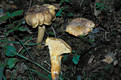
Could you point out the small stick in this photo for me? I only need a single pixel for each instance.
(53, 31)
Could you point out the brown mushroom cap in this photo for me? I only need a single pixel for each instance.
(58, 46)
(80, 26)
(51, 8)
(40, 14)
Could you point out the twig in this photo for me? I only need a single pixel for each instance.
(29, 5)
(33, 62)
(81, 2)
(47, 63)
(53, 31)
(26, 49)
(22, 47)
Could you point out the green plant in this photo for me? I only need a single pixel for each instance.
(63, 12)
(76, 59)
(2, 76)
(102, 7)
(11, 52)
(13, 22)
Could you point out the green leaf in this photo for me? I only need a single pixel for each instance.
(11, 51)
(70, 14)
(32, 44)
(4, 18)
(9, 26)
(10, 15)
(82, 36)
(16, 13)
(73, 51)
(61, 77)
(91, 40)
(12, 30)
(107, 67)
(67, 0)
(65, 57)
(101, 6)
(39, 74)
(11, 62)
(2, 76)
(49, 76)
(23, 29)
(59, 13)
(76, 59)
(51, 33)
(62, 1)
(1, 71)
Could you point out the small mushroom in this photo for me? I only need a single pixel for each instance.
(80, 26)
(40, 15)
(57, 47)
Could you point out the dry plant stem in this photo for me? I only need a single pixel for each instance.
(55, 67)
(53, 31)
(22, 47)
(41, 31)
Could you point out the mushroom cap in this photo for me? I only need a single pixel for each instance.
(39, 15)
(80, 26)
(57, 46)
(34, 19)
(50, 6)
(47, 18)
(31, 20)
(52, 9)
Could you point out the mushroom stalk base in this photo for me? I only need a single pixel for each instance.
(55, 67)
(41, 31)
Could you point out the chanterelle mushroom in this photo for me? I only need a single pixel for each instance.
(57, 47)
(80, 26)
(40, 15)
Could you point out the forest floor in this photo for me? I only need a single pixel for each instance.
(96, 56)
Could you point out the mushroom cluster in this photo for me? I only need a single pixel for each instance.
(40, 15)
(57, 47)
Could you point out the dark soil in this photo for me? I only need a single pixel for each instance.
(105, 39)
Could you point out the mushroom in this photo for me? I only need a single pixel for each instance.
(80, 26)
(40, 15)
(57, 47)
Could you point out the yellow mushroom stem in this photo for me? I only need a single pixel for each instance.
(41, 31)
(55, 67)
